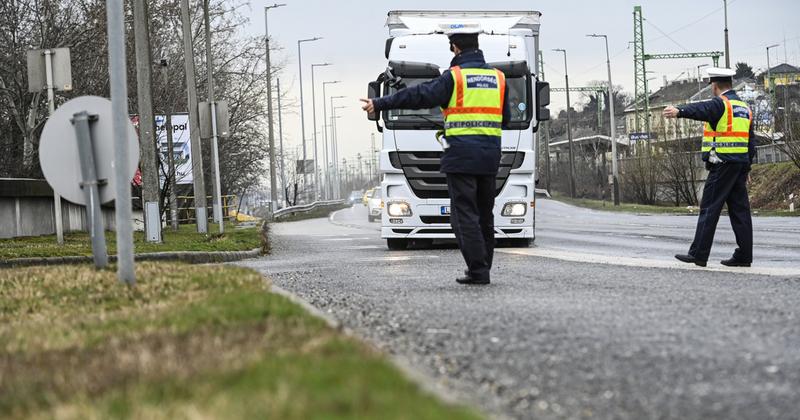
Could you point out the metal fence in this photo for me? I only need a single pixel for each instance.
(187, 214)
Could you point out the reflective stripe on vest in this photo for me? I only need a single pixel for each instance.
(476, 105)
(732, 133)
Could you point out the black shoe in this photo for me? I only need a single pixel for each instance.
(733, 262)
(471, 280)
(690, 259)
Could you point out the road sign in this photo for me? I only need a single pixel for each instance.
(37, 69)
(205, 119)
(642, 136)
(58, 149)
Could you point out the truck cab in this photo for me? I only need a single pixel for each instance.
(417, 206)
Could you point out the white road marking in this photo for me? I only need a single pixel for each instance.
(399, 258)
(647, 263)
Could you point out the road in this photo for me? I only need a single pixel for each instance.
(595, 321)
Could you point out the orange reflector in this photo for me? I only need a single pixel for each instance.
(533, 204)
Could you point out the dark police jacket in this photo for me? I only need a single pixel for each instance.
(711, 111)
(479, 155)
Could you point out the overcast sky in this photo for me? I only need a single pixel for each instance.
(354, 36)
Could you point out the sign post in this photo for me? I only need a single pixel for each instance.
(76, 153)
(50, 70)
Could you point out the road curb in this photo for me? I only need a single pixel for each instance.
(426, 383)
(192, 257)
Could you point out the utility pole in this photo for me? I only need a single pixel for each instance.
(545, 129)
(329, 175)
(314, 124)
(569, 129)
(360, 180)
(118, 86)
(727, 48)
(273, 185)
(334, 143)
(373, 162)
(335, 132)
(218, 216)
(302, 109)
(167, 128)
(198, 180)
(280, 136)
(613, 123)
(147, 142)
(771, 89)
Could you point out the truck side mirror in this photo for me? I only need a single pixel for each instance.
(373, 91)
(542, 101)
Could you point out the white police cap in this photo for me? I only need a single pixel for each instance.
(720, 74)
(460, 28)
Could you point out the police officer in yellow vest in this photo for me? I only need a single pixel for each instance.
(728, 150)
(472, 97)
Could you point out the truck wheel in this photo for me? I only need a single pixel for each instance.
(395, 244)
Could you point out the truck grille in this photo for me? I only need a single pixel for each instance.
(422, 172)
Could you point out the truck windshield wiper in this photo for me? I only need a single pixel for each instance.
(425, 117)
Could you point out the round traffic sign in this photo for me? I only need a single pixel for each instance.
(58, 149)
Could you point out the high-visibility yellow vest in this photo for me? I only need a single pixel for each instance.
(731, 136)
(476, 105)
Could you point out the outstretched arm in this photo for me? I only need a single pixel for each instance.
(709, 111)
(426, 95)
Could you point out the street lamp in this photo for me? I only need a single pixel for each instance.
(302, 113)
(569, 129)
(727, 49)
(613, 123)
(314, 122)
(273, 184)
(770, 88)
(699, 79)
(328, 184)
(334, 141)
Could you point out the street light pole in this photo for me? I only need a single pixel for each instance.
(280, 137)
(699, 79)
(334, 144)
(273, 184)
(302, 113)
(218, 216)
(613, 123)
(727, 47)
(569, 129)
(328, 183)
(314, 123)
(771, 88)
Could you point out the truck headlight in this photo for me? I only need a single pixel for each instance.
(399, 209)
(514, 210)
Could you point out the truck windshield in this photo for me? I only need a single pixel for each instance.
(517, 103)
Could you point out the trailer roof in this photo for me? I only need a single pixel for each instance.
(496, 22)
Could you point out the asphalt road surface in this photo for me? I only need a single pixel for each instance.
(594, 321)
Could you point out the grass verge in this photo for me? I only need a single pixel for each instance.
(186, 342)
(185, 239)
(624, 207)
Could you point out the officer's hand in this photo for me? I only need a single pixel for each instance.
(671, 112)
(368, 106)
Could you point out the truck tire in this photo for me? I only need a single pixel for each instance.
(396, 244)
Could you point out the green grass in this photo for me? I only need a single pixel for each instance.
(185, 239)
(186, 342)
(624, 207)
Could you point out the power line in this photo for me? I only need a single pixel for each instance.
(666, 35)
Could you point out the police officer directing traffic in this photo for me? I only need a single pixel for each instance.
(728, 150)
(472, 96)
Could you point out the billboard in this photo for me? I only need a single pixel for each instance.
(181, 147)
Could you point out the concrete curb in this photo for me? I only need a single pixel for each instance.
(424, 381)
(192, 257)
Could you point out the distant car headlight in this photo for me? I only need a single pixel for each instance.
(399, 209)
(514, 210)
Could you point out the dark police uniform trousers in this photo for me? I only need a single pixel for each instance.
(472, 219)
(726, 185)
(470, 166)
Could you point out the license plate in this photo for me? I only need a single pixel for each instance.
(445, 210)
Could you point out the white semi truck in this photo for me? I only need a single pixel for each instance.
(417, 206)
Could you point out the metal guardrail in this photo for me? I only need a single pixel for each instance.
(305, 208)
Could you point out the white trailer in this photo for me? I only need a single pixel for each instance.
(417, 206)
